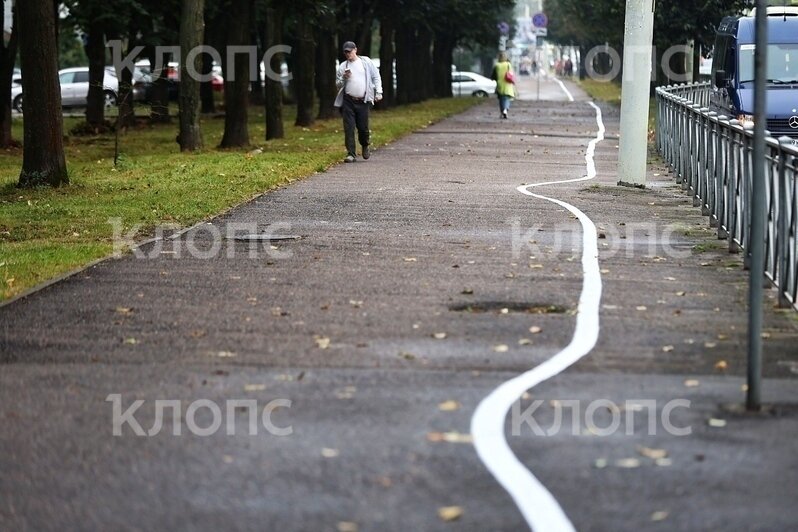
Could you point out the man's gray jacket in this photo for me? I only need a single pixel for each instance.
(373, 81)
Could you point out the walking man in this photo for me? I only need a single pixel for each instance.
(360, 87)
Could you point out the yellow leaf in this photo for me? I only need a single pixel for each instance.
(448, 406)
(654, 454)
(450, 513)
(322, 342)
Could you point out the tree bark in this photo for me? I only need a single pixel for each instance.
(192, 29)
(387, 57)
(7, 56)
(206, 87)
(304, 70)
(442, 58)
(236, 87)
(274, 87)
(43, 160)
(325, 74)
(95, 51)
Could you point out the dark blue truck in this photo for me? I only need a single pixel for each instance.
(733, 71)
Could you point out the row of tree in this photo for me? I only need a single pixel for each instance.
(417, 39)
(676, 22)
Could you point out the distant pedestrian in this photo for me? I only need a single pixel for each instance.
(360, 86)
(505, 89)
(568, 67)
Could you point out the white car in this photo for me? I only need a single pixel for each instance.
(74, 88)
(472, 84)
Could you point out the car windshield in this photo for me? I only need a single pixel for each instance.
(782, 63)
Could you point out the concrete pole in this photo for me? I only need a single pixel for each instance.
(638, 36)
(753, 399)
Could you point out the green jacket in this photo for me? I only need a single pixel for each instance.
(503, 88)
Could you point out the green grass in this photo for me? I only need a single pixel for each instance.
(46, 232)
(605, 91)
(610, 92)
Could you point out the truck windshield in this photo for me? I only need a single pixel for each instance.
(782, 63)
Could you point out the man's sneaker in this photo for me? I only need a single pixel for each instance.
(366, 152)
(349, 159)
(504, 113)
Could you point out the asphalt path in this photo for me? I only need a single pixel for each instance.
(422, 279)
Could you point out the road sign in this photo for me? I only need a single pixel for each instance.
(540, 20)
(540, 32)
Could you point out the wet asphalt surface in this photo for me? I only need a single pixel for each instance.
(408, 297)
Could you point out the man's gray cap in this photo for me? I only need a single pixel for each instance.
(349, 45)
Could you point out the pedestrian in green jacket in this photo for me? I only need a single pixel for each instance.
(505, 89)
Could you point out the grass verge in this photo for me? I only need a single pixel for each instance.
(47, 232)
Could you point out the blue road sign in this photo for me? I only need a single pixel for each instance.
(540, 20)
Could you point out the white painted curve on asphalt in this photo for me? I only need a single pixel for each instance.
(539, 507)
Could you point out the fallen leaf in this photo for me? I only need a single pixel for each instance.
(450, 513)
(659, 515)
(326, 452)
(347, 526)
(439, 335)
(449, 437)
(130, 341)
(717, 423)
(346, 392)
(448, 406)
(524, 341)
(654, 454)
(124, 310)
(467, 291)
(641, 307)
(710, 345)
(600, 463)
(254, 387)
(322, 342)
(691, 383)
(680, 293)
(535, 329)
(501, 348)
(355, 303)
(627, 463)
(721, 365)
(225, 354)
(667, 348)
(410, 259)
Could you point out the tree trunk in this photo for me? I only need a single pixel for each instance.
(236, 87)
(206, 87)
(126, 116)
(95, 51)
(424, 59)
(43, 161)
(442, 57)
(387, 57)
(192, 30)
(325, 74)
(7, 56)
(304, 70)
(274, 87)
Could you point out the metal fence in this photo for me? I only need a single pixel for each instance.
(711, 157)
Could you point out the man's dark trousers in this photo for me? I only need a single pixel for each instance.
(356, 115)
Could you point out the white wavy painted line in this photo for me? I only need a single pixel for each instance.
(537, 505)
(567, 93)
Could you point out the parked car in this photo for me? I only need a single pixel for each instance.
(472, 84)
(74, 88)
(733, 70)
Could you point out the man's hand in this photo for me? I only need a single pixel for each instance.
(378, 97)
